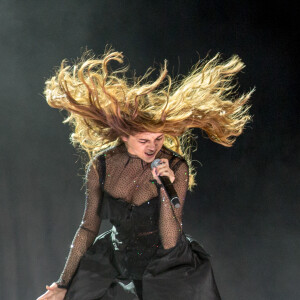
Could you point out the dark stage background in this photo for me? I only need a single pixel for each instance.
(245, 209)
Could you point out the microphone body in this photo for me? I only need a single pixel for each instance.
(168, 186)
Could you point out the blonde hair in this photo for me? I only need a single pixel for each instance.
(103, 104)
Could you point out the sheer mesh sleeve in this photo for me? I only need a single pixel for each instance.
(89, 227)
(170, 220)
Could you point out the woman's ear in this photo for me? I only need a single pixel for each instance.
(124, 138)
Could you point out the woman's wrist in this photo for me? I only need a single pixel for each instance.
(157, 184)
(62, 286)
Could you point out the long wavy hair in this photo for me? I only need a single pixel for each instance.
(103, 104)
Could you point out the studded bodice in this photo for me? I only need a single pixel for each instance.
(135, 233)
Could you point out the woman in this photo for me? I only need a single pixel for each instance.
(124, 127)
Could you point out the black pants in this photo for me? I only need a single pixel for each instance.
(139, 288)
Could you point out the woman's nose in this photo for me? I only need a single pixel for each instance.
(153, 145)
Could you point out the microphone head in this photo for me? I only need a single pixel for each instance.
(155, 163)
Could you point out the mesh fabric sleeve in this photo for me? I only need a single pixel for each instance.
(170, 220)
(89, 227)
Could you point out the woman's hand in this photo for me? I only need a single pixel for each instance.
(53, 293)
(163, 169)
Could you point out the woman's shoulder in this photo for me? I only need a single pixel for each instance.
(109, 152)
(103, 158)
(175, 159)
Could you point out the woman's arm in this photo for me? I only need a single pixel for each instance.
(84, 237)
(89, 227)
(170, 220)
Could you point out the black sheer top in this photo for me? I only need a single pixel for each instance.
(126, 180)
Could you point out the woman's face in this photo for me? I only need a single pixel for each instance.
(144, 144)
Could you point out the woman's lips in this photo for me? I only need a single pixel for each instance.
(150, 154)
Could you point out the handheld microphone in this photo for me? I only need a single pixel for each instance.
(168, 186)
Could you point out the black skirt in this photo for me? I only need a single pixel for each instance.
(181, 272)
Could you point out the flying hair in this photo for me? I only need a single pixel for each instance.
(104, 104)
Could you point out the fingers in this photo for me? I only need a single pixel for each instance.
(163, 170)
(53, 292)
(53, 285)
(45, 295)
(164, 173)
(163, 167)
(154, 173)
(164, 161)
